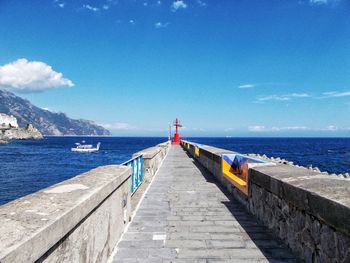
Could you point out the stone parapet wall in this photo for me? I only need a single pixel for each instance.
(210, 158)
(152, 158)
(78, 220)
(308, 210)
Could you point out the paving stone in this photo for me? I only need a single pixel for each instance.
(186, 217)
(225, 244)
(182, 243)
(141, 244)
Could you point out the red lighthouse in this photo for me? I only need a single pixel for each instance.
(176, 139)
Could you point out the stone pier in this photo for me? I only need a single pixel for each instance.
(186, 216)
(191, 207)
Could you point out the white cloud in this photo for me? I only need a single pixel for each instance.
(201, 3)
(30, 76)
(117, 126)
(332, 128)
(299, 95)
(59, 4)
(131, 21)
(290, 128)
(246, 86)
(318, 2)
(285, 97)
(335, 94)
(91, 8)
(161, 25)
(105, 7)
(288, 97)
(324, 2)
(257, 128)
(260, 128)
(178, 4)
(274, 97)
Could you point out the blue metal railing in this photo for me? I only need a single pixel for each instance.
(136, 165)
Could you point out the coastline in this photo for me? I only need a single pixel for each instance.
(27, 133)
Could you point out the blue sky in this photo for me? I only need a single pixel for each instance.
(225, 68)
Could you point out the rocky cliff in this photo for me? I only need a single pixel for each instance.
(47, 122)
(27, 133)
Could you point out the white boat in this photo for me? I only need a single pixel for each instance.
(85, 148)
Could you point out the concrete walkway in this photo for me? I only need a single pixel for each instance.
(186, 217)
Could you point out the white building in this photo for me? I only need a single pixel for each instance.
(7, 121)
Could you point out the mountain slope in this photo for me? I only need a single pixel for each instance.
(48, 123)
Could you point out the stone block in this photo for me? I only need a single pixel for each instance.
(80, 219)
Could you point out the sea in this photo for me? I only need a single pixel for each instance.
(28, 166)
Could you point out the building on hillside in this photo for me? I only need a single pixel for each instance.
(7, 121)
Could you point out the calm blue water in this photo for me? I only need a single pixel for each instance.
(329, 154)
(28, 166)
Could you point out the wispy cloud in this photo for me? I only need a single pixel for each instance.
(336, 94)
(117, 126)
(285, 97)
(91, 8)
(262, 84)
(30, 76)
(334, 128)
(257, 128)
(290, 128)
(319, 2)
(261, 128)
(159, 25)
(246, 86)
(177, 5)
(288, 97)
(323, 2)
(329, 128)
(132, 21)
(59, 3)
(201, 3)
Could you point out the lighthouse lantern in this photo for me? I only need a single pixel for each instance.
(176, 139)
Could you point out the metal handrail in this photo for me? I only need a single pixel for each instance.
(136, 165)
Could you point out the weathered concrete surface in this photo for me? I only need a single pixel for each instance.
(186, 217)
(78, 220)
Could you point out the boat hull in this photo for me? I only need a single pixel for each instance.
(84, 150)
